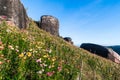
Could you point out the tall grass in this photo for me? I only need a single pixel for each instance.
(33, 54)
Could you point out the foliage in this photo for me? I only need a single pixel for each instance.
(34, 54)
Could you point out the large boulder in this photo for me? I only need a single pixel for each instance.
(114, 56)
(102, 51)
(68, 39)
(96, 49)
(116, 48)
(14, 11)
(50, 24)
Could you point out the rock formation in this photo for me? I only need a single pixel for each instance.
(96, 49)
(68, 39)
(14, 11)
(115, 57)
(50, 24)
(102, 51)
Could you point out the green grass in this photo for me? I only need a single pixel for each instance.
(34, 54)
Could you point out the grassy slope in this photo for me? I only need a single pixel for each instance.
(33, 54)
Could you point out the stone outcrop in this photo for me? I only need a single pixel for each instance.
(96, 49)
(115, 57)
(102, 51)
(14, 11)
(68, 39)
(50, 24)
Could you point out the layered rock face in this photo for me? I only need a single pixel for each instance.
(50, 24)
(15, 12)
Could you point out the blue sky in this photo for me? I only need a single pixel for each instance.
(85, 21)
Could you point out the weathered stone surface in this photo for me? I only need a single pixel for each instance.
(115, 57)
(102, 51)
(15, 12)
(50, 24)
(68, 39)
(96, 49)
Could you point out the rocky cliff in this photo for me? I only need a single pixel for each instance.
(14, 11)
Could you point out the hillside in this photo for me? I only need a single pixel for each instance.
(34, 54)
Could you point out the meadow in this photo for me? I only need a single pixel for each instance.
(33, 54)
